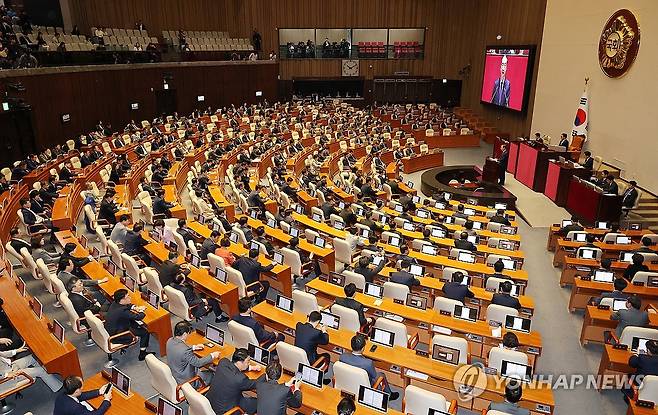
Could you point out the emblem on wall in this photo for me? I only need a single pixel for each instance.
(619, 43)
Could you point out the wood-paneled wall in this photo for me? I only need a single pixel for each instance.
(105, 93)
(456, 36)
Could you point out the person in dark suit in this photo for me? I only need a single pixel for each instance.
(368, 191)
(500, 217)
(356, 359)
(311, 334)
(364, 268)
(644, 365)
(630, 195)
(245, 318)
(244, 227)
(610, 185)
(134, 243)
(501, 87)
(229, 382)
(573, 226)
(588, 162)
(108, 208)
(634, 267)
(260, 237)
(459, 213)
(349, 302)
(275, 398)
(17, 243)
(456, 290)
(122, 316)
(646, 246)
(564, 141)
(251, 269)
(209, 245)
(346, 406)
(170, 269)
(620, 285)
(184, 231)
(161, 206)
(464, 243)
(502, 163)
(198, 301)
(73, 401)
(19, 171)
(504, 297)
(403, 276)
(83, 301)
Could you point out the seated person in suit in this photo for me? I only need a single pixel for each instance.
(160, 205)
(632, 316)
(120, 230)
(134, 243)
(251, 270)
(245, 318)
(229, 383)
(10, 367)
(108, 208)
(500, 217)
(83, 300)
(588, 162)
(460, 212)
(122, 316)
(244, 227)
(455, 289)
(464, 243)
(73, 401)
(644, 364)
(201, 304)
(33, 219)
(620, 285)
(182, 361)
(308, 336)
(646, 244)
(510, 405)
(349, 302)
(634, 267)
(610, 185)
(574, 226)
(404, 254)
(468, 228)
(504, 297)
(403, 276)
(209, 245)
(366, 269)
(40, 252)
(17, 242)
(273, 397)
(260, 237)
(356, 359)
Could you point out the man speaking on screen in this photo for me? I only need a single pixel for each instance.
(501, 88)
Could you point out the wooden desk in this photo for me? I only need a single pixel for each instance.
(614, 362)
(121, 405)
(54, 356)
(422, 322)
(280, 276)
(597, 321)
(422, 162)
(582, 291)
(397, 361)
(221, 202)
(612, 251)
(434, 286)
(578, 266)
(635, 235)
(201, 279)
(158, 321)
(171, 196)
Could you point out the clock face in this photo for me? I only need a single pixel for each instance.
(350, 67)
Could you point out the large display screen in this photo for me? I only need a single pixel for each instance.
(507, 76)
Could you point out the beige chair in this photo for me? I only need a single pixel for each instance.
(235, 277)
(178, 305)
(132, 269)
(115, 254)
(163, 381)
(349, 319)
(499, 313)
(418, 401)
(401, 337)
(304, 302)
(291, 356)
(648, 390)
(633, 331)
(457, 343)
(395, 291)
(200, 405)
(103, 340)
(355, 278)
(75, 321)
(446, 304)
(243, 335)
(343, 252)
(498, 354)
(350, 378)
(153, 283)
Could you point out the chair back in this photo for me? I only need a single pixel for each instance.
(198, 404)
(498, 354)
(349, 378)
(493, 283)
(448, 271)
(132, 269)
(13, 252)
(115, 253)
(355, 278)
(349, 319)
(634, 331)
(99, 334)
(242, 335)
(458, 343)
(215, 262)
(643, 276)
(499, 313)
(304, 302)
(161, 378)
(418, 401)
(398, 329)
(177, 303)
(71, 314)
(153, 281)
(343, 250)
(235, 277)
(28, 260)
(649, 389)
(446, 304)
(292, 259)
(395, 291)
(291, 356)
(611, 237)
(493, 258)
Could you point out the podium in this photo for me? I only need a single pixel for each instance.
(532, 164)
(491, 171)
(558, 178)
(588, 202)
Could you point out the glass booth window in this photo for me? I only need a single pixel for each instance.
(297, 43)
